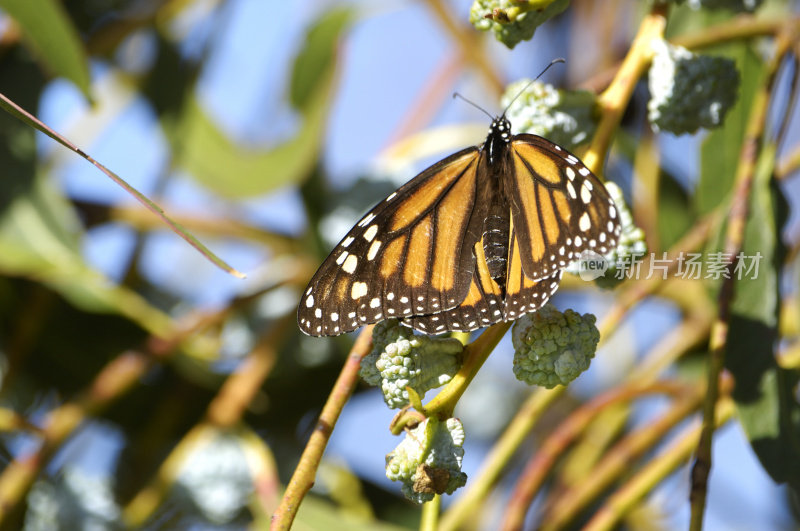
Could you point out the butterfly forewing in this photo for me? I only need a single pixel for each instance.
(411, 254)
(560, 208)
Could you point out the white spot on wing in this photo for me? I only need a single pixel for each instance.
(373, 249)
(347, 241)
(585, 223)
(350, 264)
(358, 290)
(310, 301)
(586, 194)
(374, 303)
(369, 217)
(370, 233)
(571, 190)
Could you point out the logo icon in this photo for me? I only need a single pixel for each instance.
(591, 265)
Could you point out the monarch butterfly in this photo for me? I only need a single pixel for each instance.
(478, 238)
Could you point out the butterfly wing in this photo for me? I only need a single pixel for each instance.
(485, 304)
(524, 295)
(482, 306)
(558, 206)
(411, 254)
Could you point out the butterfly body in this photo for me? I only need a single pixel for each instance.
(477, 238)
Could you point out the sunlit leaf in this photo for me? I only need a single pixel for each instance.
(764, 396)
(235, 171)
(720, 149)
(49, 32)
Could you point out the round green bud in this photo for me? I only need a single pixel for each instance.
(565, 117)
(689, 91)
(401, 359)
(428, 460)
(553, 348)
(512, 21)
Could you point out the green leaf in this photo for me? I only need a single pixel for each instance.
(317, 59)
(38, 240)
(236, 171)
(54, 40)
(40, 237)
(764, 392)
(719, 154)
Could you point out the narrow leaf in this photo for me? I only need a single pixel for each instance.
(16, 111)
(767, 409)
(717, 160)
(235, 171)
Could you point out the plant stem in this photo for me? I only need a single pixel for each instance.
(306, 470)
(655, 471)
(468, 44)
(474, 356)
(430, 514)
(734, 236)
(613, 101)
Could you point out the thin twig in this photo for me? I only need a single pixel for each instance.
(614, 100)
(225, 411)
(468, 44)
(617, 461)
(306, 470)
(737, 219)
(118, 377)
(656, 470)
(546, 456)
(741, 27)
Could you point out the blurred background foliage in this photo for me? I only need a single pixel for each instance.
(141, 386)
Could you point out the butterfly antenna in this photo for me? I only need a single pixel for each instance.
(484, 111)
(554, 61)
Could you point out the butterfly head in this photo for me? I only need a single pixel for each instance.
(498, 139)
(501, 129)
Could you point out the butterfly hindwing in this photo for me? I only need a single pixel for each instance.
(411, 254)
(524, 295)
(482, 306)
(560, 207)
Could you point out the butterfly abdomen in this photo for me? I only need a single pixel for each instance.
(495, 243)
